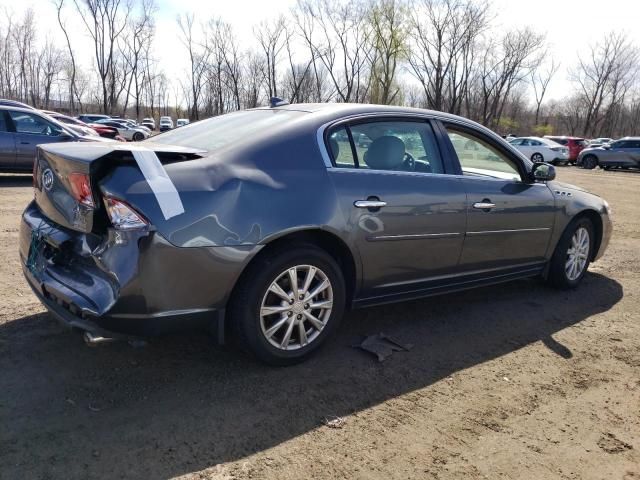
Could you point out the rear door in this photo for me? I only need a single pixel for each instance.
(406, 214)
(7, 143)
(509, 220)
(32, 130)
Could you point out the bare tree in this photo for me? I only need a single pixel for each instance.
(271, 37)
(198, 58)
(540, 82)
(105, 21)
(388, 48)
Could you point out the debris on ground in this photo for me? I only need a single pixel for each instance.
(382, 346)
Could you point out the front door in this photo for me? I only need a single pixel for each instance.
(7, 144)
(407, 216)
(32, 130)
(509, 220)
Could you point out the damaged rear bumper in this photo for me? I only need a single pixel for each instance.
(127, 284)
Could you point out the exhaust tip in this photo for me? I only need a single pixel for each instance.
(92, 340)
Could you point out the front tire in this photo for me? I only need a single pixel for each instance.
(589, 162)
(572, 255)
(537, 157)
(287, 303)
(137, 137)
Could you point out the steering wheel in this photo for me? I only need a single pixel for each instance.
(408, 163)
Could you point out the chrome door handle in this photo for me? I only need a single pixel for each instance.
(369, 204)
(484, 205)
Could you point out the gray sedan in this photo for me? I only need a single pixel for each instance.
(621, 153)
(22, 130)
(268, 223)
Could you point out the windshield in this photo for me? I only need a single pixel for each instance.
(218, 132)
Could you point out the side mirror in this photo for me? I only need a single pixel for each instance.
(543, 172)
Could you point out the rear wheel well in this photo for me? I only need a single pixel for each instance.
(328, 242)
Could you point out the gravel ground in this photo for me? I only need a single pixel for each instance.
(513, 381)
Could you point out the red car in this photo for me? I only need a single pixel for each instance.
(106, 131)
(574, 144)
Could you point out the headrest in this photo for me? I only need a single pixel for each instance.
(385, 153)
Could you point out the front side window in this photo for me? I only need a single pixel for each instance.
(478, 158)
(33, 124)
(403, 146)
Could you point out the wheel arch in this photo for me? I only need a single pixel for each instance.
(596, 221)
(327, 241)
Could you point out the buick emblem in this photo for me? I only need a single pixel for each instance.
(47, 179)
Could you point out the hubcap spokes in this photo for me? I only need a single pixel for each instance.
(296, 307)
(577, 254)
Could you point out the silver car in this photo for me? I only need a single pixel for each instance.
(621, 153)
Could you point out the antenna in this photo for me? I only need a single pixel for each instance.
(277, 102)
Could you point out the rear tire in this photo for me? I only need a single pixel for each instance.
(137, 137)
(572, 255)
(284, 331)
(589, 162)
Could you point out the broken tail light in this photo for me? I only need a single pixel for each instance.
(81, 189)
(123, 216)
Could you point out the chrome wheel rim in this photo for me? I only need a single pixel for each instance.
(577, 254)
(537, 157)
(296, 307)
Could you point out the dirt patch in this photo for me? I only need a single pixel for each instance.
(513, 381)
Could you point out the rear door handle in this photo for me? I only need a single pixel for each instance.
(484, 205)
(369, 204)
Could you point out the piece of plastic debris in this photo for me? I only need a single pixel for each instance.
(334, 422)
(382, 346)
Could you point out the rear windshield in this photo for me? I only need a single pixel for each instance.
(217, 132)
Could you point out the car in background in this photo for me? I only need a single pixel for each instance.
(574, 144)
(107, 132)
(92, 117)
(128, 132)
(131, 123)
(597, 142)
(23, 129)
(165, 124)
(74, 124)
(622, 153)
(541, 150)
(269, 223)
(149, 122)
(181, 122)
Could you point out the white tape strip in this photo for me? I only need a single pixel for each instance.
(160, 183)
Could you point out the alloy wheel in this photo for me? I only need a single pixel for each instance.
(577, 254)
(296, 307)
(536, 157)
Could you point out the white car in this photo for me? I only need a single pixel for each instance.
(125, 130)
(148, 122)
(181, 122)
(165, 123)
(541, 149)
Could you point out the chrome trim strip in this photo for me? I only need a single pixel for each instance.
(519, 230)
(417, 236)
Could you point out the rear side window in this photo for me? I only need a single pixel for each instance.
(3, 122)
(403, 146)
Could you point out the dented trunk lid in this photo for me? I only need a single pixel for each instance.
(55, 163)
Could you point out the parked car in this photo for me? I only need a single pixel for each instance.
(129, 133)
(127, 122)
(148, 122)
(22, 130)
(165, 124)
(541, 150)
(271, 222)
(574, 144)
(74, 124)
(92, 117)
(14, 103)
(107, 132)
(596, 142)
(181, 122)
(622, 153)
